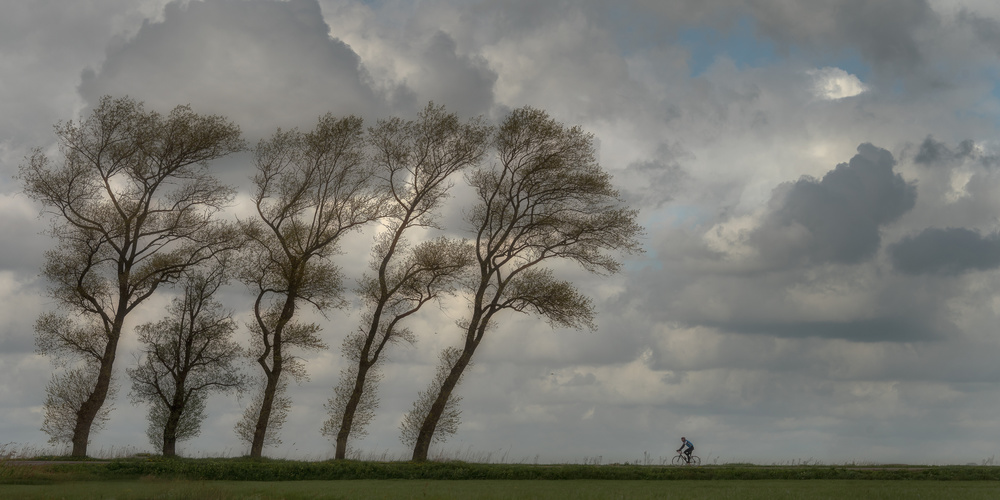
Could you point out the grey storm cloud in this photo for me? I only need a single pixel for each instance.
(262, 63)
(986, 30)
(884, 32)
(937, 153)
(465, 83)
(948, 251)
(835, 219)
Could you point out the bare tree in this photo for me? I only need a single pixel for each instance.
(311, 189)
(133, 205)
(545, 198)
(184, 357)
(415, 160)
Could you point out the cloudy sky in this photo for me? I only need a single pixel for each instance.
(819, 182)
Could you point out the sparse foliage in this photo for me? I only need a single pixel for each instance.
(133, 205)
(447, 424)
(310, 190)
(64, 395)
(246, 428)
(546, 197)
(184, 357)
(416, 160)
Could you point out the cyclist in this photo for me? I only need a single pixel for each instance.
(690, 448)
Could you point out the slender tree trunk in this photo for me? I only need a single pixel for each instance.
(426, 434)
(349, 409)
(274, 375)
(92, 406)
(264, 417)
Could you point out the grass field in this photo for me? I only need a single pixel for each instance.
(141, 476)
(504, 490)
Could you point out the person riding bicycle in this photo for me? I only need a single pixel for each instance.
(690, 448)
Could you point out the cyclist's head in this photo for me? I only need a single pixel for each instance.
(683, 439)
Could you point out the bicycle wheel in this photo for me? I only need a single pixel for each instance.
(695, 460)
(678, 460)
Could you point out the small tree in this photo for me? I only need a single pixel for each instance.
(133, 205)
(545, 198)
(185, 356)
(311, 189)
(415, 159)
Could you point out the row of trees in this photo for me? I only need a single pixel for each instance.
(135, 208)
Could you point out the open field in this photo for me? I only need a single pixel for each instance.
(503, 490)
(243, 469)
(135, 477)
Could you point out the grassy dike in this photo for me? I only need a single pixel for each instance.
(242, 469)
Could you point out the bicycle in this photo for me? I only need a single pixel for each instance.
(682, 459)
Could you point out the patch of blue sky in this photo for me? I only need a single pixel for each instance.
(739, 43)
(747, 49)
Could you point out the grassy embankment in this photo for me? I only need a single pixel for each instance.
(242, 469)
(223, 478)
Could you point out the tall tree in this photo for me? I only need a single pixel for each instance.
(545, 198)
(133, 204)
(311, 189)
(184, 357)
(416, 160)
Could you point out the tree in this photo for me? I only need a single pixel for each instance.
(545, 198)
(415, 159)
(450, 418)
(310, 190)
(184, 357)
(133, 205)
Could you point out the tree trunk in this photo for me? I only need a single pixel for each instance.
(92, 406)
(426, 434)
(170, 434)
(349, 409)
(264, 417)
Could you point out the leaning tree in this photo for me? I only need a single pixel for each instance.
(545, 198)
(310, 190)
(133, 205)
(416, 161)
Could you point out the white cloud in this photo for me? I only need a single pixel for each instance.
(835, 83)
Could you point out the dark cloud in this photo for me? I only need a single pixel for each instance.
(883, 32)
(986, 30)
(835, 219)
(937, 153)
(934, 152)
(263, 63)
(950, 251)
(463, 83)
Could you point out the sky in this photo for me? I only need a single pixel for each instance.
(819, 185)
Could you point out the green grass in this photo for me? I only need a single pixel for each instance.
(504, 490)
(244, 469)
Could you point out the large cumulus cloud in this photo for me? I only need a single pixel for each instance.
(952, 250)
(837, 218)
(260, 62)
